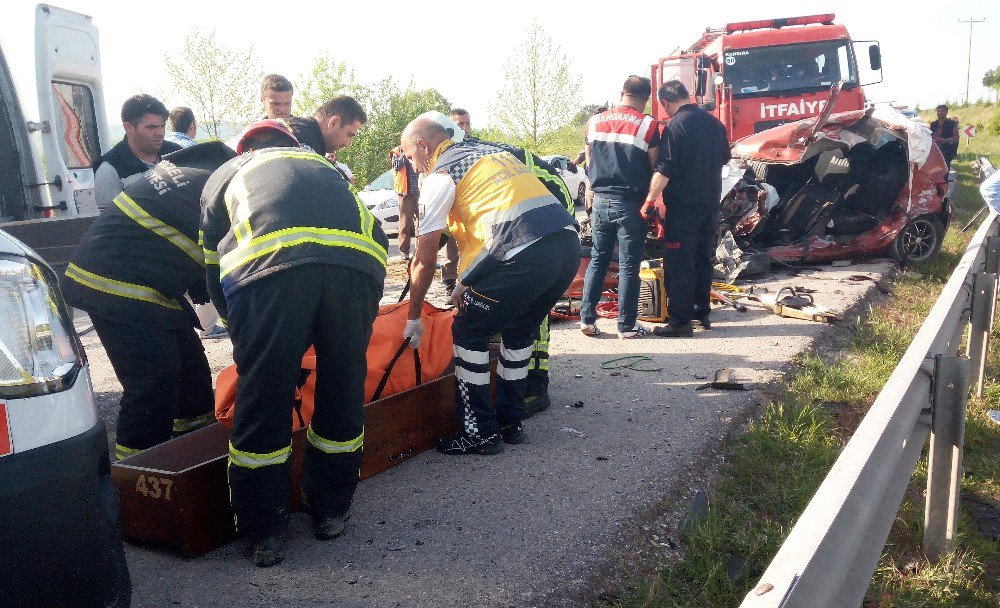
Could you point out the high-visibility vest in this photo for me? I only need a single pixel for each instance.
(499, 205)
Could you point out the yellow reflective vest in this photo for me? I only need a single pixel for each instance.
(499, 205)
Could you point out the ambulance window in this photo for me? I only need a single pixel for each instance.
(76, 124)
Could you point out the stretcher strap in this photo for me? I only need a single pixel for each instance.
(392, 364)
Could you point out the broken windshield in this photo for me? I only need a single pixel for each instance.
(789, 68)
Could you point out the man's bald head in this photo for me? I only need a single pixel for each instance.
(427, 130)
(419, 139)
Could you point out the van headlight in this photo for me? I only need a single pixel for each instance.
(39, 352)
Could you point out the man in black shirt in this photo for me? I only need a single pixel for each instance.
(693, 150)
(944, 131)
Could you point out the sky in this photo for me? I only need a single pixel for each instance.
(460, 50)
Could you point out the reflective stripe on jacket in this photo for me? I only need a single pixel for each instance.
(280, 207)
(140, 256)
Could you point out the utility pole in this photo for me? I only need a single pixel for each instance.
(968, 67)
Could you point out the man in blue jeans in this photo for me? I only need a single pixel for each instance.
(621, 150)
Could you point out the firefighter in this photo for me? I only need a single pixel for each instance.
(130, 273)
(518, 251)
(293, 260)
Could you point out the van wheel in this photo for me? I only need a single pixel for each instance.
(581, 194)
(919, 240)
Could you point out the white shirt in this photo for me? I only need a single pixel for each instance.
(990, 189)
(437, 195)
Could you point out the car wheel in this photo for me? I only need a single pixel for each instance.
(919, 240)
(581, 194)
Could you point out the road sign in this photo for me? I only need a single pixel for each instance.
(970, 131)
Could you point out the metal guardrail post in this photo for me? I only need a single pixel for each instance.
(992, 255)
(984, 294)
(944, 467)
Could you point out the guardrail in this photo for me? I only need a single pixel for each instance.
(830, 555)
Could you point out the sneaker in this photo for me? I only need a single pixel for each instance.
(535, 404)
(268, 552)
(705, 323)
(589, 329)
(636, 332)
(675, 331)
(216, 333)
(328, 528)
(465, 444)
(513, 433)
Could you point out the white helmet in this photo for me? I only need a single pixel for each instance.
(456, 132)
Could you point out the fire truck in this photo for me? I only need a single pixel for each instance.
(754, 75)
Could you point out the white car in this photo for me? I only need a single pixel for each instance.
(381, 199)
(575, 178)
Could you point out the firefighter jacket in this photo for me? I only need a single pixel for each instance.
(141, 255)
(499, 205)
(280, 207)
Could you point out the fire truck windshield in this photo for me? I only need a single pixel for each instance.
(764, 71)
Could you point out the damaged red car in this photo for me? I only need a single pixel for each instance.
(839, 186)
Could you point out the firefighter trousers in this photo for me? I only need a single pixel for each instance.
(511, 301)
(166, 382)
(273, 321)
(690, 237)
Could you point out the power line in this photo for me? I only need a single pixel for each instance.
(968, 67)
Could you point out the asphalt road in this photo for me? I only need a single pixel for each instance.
(548, 523)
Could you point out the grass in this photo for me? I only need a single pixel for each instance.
(772, 469)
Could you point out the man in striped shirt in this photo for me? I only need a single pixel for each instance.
(621, 151)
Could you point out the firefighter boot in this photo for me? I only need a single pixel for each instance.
(268, 552)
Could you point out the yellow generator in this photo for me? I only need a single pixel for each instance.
(652, 295)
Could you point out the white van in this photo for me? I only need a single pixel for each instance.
(59, 533)
(46, 180)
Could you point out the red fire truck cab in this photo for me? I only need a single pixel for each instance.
(754, 75)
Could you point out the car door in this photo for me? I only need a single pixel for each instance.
(19, 169)
(72, 119)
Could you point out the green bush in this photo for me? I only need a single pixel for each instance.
(993, 126)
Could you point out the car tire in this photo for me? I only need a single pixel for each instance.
(581, 194)
(919, 240)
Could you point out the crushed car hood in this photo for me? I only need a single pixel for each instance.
(794, 142)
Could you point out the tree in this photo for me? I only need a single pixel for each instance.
(541, 93)
(220, 83)
(586, 112)
(327, 79)
(992, 80)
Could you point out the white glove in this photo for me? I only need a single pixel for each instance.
(414, 330)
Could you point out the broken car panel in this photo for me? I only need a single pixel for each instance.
(862, 183)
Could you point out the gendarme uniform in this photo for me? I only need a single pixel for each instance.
(293, 260)
(519, 251)
(130, 273)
